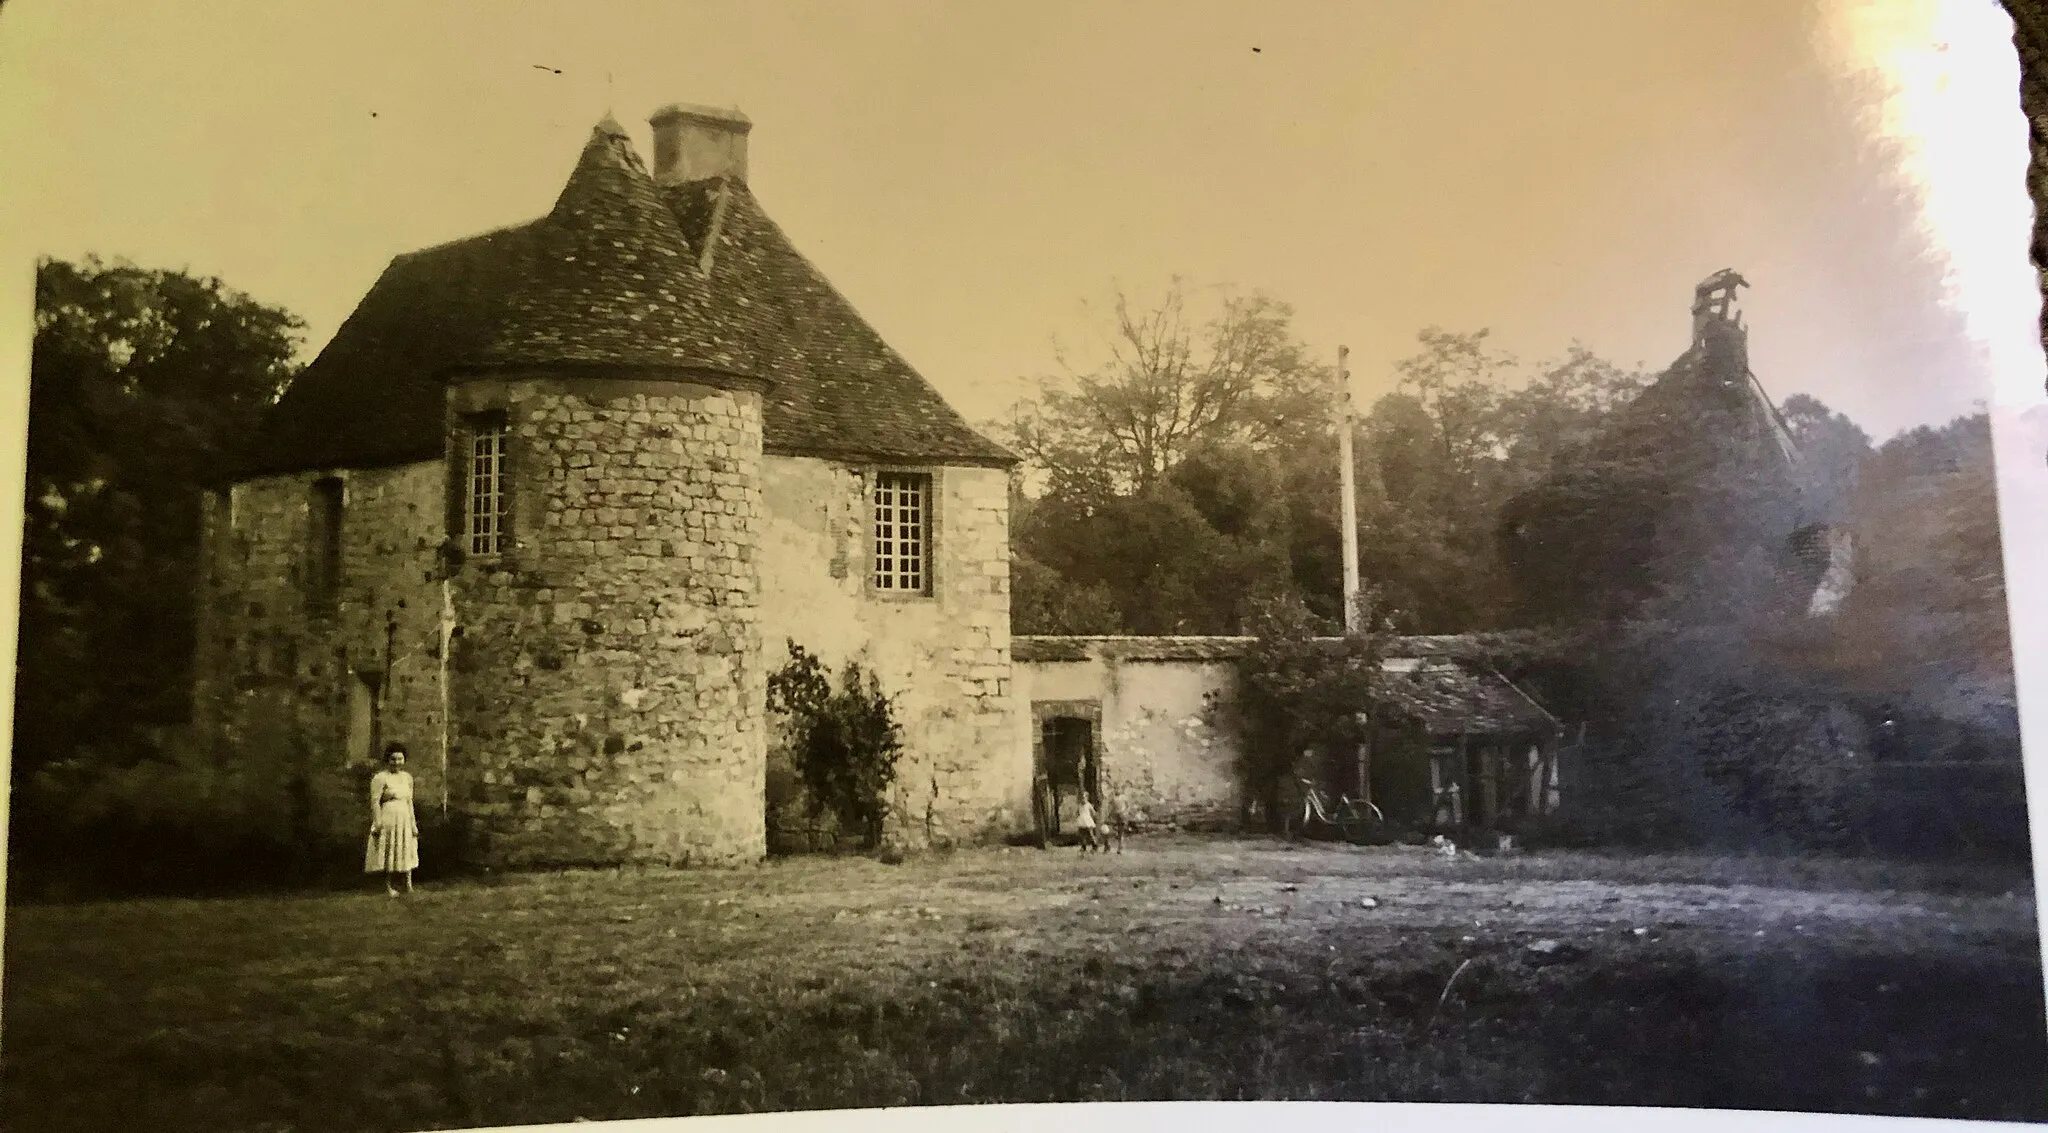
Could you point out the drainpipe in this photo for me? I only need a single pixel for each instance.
(447, 638)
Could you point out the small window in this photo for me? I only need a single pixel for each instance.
(484, 510)
(903, 533)
(323, 574)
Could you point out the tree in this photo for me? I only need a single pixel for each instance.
(1168, 386)
(1194, 470)
(1832, 450)
(1153, 558)
(1549, 421)
(142, 385)
(1295, 695)
(1465, 429)
(1163, 505)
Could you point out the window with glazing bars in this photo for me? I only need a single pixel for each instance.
(485, 514)
(902, 532)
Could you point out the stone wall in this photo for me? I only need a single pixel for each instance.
(1165, 761)
(596, 692)
(608, 679)
(311, 688)
(944, 656)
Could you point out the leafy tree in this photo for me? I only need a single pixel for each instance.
(1169, 385)
(1042, 601)
(846, 740)
(1152, 556)
(1196, 471)
(1929, 607)
(1463, 432)
(142, 384)
(1295, 695)
(1162, 507)
(1548, 422)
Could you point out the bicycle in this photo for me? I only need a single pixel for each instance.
(1356, 821)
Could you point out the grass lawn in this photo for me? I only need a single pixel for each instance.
(1184, 968)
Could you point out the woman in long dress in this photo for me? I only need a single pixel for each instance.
(394, 830)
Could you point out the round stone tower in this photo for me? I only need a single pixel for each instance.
(607, 687)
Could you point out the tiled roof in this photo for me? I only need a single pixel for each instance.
(620, 273)
(1446, 697)
(607, 279)
(373, 396)
(840, 390)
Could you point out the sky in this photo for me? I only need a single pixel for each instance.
(979, 179)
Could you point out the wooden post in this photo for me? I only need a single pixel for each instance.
(1463, 804)
(1365, 767)
(1436, 785)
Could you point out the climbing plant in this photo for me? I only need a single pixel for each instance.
(845, 741)
(1297, 692)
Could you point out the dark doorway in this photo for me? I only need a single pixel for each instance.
(1070, 765)
(1066, 760)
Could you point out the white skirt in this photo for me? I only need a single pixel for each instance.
(395, 844)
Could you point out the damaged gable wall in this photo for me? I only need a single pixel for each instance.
(311, 688)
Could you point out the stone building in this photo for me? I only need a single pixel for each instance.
(551, 501)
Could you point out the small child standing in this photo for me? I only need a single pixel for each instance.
(1085, 823)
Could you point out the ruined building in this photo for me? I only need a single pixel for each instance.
(1691, 494)
(551, 501)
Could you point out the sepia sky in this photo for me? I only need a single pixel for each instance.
(971, 175)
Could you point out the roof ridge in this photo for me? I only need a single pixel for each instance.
(626, 273)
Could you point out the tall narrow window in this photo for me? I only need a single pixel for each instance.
(484, 516)
(902, 532)
(323, 559)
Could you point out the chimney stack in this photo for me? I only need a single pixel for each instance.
(692, 143)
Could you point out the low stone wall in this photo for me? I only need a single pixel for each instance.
(1165, 760)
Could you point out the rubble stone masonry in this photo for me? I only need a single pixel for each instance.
(944, 656)
(595, 691)
(608, 683)
(306, 685)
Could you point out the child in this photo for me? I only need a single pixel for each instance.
(1109, 825)
(1085, 823)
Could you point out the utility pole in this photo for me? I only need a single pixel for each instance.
(1349, 526)
(1354, 617)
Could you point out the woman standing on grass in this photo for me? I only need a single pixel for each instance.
(394, 830)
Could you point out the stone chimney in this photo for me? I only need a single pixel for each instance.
(692, 143)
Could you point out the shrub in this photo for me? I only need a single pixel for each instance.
(186, 819)
(844, 742)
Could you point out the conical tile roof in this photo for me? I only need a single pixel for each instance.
(603, 281)
(620, 273)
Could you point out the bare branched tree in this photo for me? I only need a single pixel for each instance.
(1168, 386)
